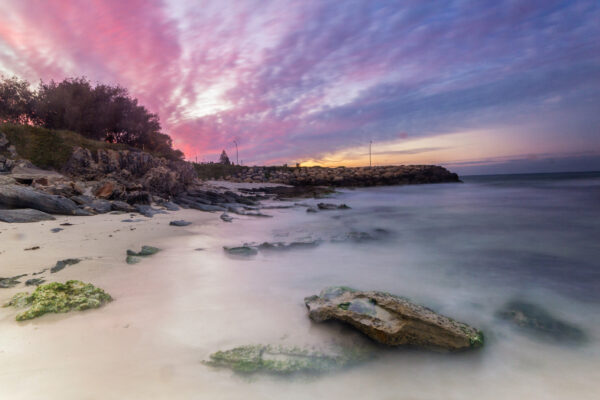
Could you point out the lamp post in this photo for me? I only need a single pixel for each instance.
(237, 160)
(370, 143)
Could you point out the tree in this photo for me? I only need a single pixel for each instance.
(16, 101)
(224, 159)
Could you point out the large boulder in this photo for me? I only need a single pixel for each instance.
(392, 320)
(15, 196)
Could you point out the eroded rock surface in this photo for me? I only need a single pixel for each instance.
(24, 215)
(392, 320)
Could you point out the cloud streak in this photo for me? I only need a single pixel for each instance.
(297, 80)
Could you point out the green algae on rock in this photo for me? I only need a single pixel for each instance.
(392, 320)
(58, 297)
(135, 257)
(281, 360)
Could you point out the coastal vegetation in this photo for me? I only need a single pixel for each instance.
(98, 112)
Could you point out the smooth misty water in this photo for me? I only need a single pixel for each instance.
(461, 249)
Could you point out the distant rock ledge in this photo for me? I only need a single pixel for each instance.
(344, 176)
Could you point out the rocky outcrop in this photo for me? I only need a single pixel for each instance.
(15, 196)
(392, 320)
(342, 176)
(132, 170)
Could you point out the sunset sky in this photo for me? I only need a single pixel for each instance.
(476, 86)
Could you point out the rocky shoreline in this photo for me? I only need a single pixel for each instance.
(106, 180)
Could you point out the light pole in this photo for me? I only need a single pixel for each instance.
(237, 160)
(370, 143)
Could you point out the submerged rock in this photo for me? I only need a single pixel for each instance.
(286, 360)
(240, 251)
(58, 297)
(34, 282)
(24, 215)
(180, 223)
(56, 230)
(392, 320)
(63, 263)
(279, 246)
(330, 206)
(134, 258)
(6, 283)
(536, 320)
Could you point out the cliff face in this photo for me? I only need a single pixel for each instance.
(360, 176)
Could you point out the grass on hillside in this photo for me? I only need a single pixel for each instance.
(50, 149)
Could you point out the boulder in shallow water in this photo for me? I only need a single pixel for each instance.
(24, 215)
(536, 320)
(392, 320)
(287, 360)
(58, 297)
(226, 217)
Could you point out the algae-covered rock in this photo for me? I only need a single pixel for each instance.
(287, 360)
(58, 297)
(536, 320)
(135, 257)
(392, 320)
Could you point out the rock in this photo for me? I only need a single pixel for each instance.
(329, 206)
(244, 251)
(180, 223)
(63, 263)
(105, 191)
(56, 230)
(101, 206)
(82, 200)
(14, 196)
(138, 197)
(148, 211)
(24, 215)
(6, 283)
(226, 217)
(58, 297)
(311, 210)
(170, 206)
(362, 237)
(392, 320)
(279, 246)
(536, 320)
(34, 282)
(147, 251)
(32, 248)
(132, 220)
(121, 206)
(287, 360)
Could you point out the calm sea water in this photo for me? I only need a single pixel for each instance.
(461, 249)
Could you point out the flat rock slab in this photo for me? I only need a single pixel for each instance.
(24, 215)
(135, 257)
(15, 196)
(392, 320)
